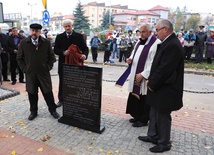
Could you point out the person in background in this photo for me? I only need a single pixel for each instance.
(22, 33)
(181, 39)
(189, 41)
(130, 41)
(62, 42)
(109, 34)
(94, 42)
(108, 49)
(201, 38)
(165, 87)
(115, 52)
(136, 37)
(35, 58)
(49, 37)
(210, 47)
(9, 33)
(0, 67)
(45, 31)
(123, 46)
(12, 44)
(4, 56)
(84, 35)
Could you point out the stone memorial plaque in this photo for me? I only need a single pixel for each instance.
(82, 92)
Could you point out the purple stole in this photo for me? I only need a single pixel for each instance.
(140, 65)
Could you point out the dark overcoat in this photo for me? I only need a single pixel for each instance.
(166, 76)
(210, 47)
(62, 43)
(36, 62)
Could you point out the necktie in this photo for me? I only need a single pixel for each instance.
(35, 42)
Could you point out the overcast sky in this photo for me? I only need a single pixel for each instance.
(66, 6)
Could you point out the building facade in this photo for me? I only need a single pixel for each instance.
(95, 11)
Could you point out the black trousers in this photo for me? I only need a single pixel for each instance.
(160, 126)
(4, 59)
(122, 55)
(94, 54)
(199, 51)
(107, 55)
(60, 88)
(188, 52)
(49, 99)
(13, 67)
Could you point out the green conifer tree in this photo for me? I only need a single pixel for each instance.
(80, 21)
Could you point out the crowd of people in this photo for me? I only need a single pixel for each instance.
(199, 42)
(155, 69)
(119, 45)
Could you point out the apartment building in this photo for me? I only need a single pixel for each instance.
(132, 20)
(95, 11)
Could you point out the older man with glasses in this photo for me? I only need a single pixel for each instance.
(165, 87)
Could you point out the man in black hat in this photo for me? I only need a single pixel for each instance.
(35, 57)
(201, 38)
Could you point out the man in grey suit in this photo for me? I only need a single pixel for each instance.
(165, 87)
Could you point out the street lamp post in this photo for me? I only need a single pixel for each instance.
(31, 5)
(110, 13)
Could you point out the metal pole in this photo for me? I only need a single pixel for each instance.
(31, 10)
(110, 13)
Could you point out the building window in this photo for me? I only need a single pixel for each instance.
(153, 20)
(100, 16)
(157, 20)
(149, 20)
(93, 9)
(92, 15)
(92, 21)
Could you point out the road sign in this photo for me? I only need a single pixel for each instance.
(44, 2)
(46, 17)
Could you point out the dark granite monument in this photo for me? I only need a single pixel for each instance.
(82, 92)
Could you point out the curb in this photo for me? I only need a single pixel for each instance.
(13, 93)
(186, 70)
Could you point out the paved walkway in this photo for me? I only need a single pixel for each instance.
(192, 129)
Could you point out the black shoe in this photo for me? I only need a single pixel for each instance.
(55, 115)
(132, 120)
(159, 148)
(59, 104)
(6, 80)
(32, 116)
(147, 139)
(22, 81)
(139, 124)
(14, 82)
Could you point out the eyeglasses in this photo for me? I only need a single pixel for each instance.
(159, 29)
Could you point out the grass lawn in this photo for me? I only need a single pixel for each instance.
(204, 66)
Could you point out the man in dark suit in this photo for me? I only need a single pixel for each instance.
(165, 87)
(62, 42)
(4, 56)
(12, 47)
